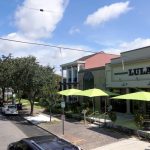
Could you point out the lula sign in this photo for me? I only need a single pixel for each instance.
(139, 71)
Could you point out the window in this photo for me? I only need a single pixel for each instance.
(88, 80)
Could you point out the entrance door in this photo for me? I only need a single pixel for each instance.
(119, 105)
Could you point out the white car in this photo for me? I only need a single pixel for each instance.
(9, 109)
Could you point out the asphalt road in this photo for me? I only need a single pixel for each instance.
(14, 128)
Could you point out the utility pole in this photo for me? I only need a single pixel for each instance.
(63, 115)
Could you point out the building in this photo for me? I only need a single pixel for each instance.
(129, 73)
(70, 72)
(86, 72)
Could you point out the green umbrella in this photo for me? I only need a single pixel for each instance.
(92, 93)
(142, 96)
(69, 92)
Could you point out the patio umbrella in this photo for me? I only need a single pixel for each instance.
(92, 93)
(138, 96)
(69, 92)
(141, 96)
(95, 93)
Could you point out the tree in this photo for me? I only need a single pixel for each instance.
(32, 79)
(25, 75)
(50, 87)
(6, 70)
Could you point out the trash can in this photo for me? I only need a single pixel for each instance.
(19, 106)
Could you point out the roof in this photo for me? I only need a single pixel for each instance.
(85, 57)
(80, 60)
(94, 60)
(99, 60)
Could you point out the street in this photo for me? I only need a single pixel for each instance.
(14, 128)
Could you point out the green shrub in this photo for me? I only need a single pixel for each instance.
(138, 118)
(43, 102)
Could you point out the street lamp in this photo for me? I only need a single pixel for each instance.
(14, 99)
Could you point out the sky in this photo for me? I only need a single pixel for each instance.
(112, 26)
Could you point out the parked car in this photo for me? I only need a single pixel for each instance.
(9, 109)
(49, 142)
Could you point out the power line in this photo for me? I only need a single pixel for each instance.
(42, 10)
(46, 45)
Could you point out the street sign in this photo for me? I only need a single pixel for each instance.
(62, 117)
(63, 104)
(84, 111)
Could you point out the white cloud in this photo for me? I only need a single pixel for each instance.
(55, 56)
(126, 46)
(36, 24)
(137, 43)
(74, 30)
(116, 51)
(107, 13)
(9, 46)
(33, 25)
(45, 55)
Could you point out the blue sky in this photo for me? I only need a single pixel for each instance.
(111, 26)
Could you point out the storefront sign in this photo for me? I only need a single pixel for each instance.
(139, 71)
(135, 71)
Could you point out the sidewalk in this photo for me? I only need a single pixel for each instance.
(40, 118)
(89, 136)
(128, 144)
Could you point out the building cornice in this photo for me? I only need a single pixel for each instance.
(74, 63)
(92, 69)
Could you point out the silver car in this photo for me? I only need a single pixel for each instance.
(9, 109)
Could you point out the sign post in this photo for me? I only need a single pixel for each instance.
(84, 111)
(63, 115)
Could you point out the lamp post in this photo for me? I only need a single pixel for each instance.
(14, 99)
